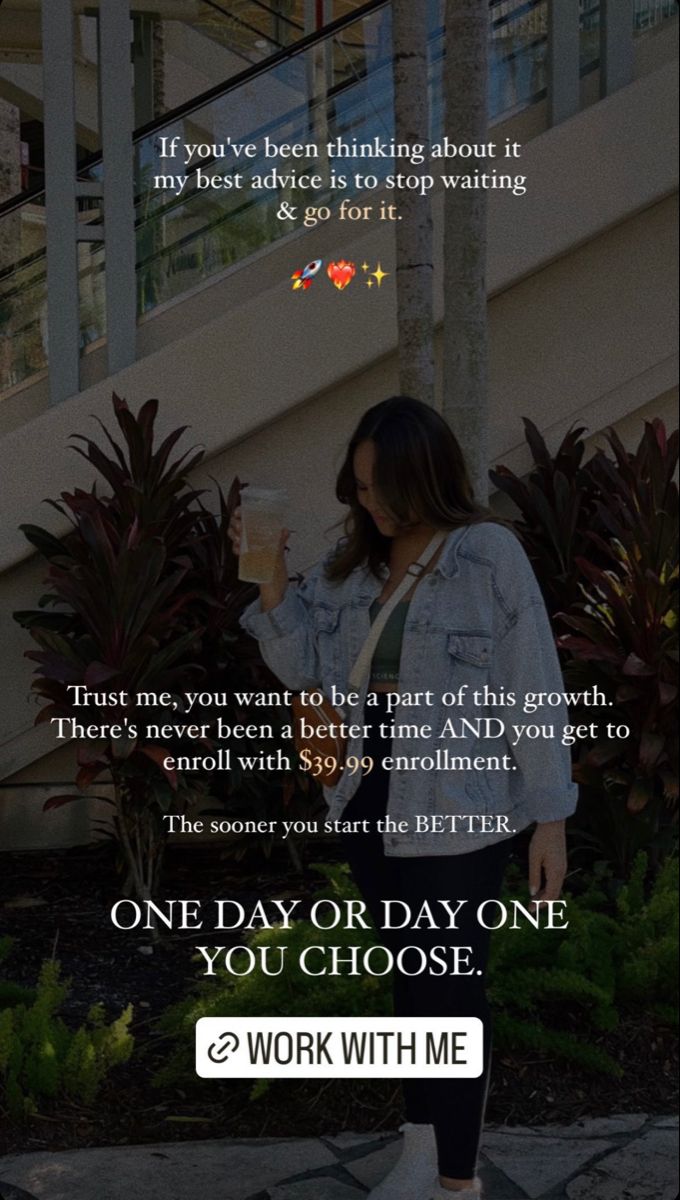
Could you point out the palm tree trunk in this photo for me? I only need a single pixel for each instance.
(414, 226)
(465, 211)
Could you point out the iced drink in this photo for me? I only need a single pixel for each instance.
(262, 513)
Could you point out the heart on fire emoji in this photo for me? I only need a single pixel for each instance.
(341, 273)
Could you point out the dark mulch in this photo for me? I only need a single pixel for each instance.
(60, 902)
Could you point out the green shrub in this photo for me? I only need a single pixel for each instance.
(605, 964)
(12, 993)
(41, 1058)
(552, 992)
(290, 994)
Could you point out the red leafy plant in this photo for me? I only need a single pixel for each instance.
(143, 598)
(227, 653)
(603, 539)
(555, 504)
(625, 628)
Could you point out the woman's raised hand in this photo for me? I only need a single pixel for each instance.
(271, 594)
(234, 530)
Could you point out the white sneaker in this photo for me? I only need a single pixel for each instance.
(412, 1175)
(473, 1193)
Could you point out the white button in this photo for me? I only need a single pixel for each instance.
(338, 1047)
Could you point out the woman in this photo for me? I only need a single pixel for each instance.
(469, 640)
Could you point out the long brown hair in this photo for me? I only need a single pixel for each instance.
(419, 473)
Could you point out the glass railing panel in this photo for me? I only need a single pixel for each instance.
(23, 297)
(251, 29)
(23, 322)
(647, 14)
(341, 85)
(518, 53)
(338, 93)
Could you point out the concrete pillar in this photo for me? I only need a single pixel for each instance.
(10, 236)
(616, 45)
(117, 117)
(60, 188)
(158, 52)
(143, 64)
(319, 75)
(564, 80)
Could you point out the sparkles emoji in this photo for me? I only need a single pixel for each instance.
(341, 273)
(379, 275)
(303, 278)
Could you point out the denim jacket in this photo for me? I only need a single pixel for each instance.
(477, 619)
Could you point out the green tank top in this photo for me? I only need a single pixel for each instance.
(386, 656)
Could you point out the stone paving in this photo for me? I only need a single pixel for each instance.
(626, 1157)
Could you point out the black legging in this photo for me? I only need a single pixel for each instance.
(454, 1106)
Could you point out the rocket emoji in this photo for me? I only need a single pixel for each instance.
(303, 278)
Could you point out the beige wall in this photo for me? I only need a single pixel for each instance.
(24, 825)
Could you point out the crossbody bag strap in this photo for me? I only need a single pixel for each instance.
(413, 572)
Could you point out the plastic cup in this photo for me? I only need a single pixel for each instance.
(262, 519)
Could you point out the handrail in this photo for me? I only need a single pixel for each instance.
(214, 93)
